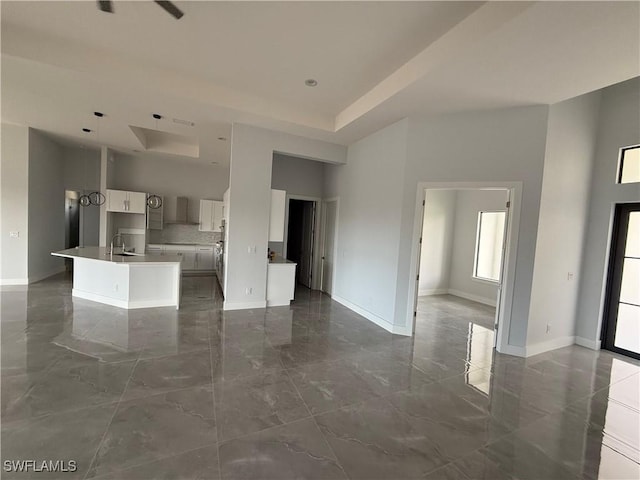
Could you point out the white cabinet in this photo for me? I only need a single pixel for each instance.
(276, 220)
(204, 258)
(281, 283)
(211, 215)
(126, 202)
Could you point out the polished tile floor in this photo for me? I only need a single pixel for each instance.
(311, 391)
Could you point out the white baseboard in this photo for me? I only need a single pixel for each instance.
(592, 344)
(243, 305)
(278, 303)
(513, 350)
(42, 276)
(396, 329)
(425, 292)
(14, 281)
(554, 344)
(473, 298)
(121, 303)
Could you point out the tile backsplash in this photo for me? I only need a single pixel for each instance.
(177, 233)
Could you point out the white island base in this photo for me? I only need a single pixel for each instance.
(126, 282)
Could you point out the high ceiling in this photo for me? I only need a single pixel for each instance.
(224, 62)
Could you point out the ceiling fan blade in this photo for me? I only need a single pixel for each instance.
(170, 8)
(105, 5)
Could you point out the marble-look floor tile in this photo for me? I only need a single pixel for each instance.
(448, 472)
(373, 440)
(522, 460)
(293, 451)
(330, 385)
(68, 386)
(250, 404)
(455, 426)
(163, 374)
(154, 427)
(237, 360)
(478, 466)
(200, 464)
(67, 436)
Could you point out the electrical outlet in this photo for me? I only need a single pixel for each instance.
(14, 234)
(548, 328)
(249, 291)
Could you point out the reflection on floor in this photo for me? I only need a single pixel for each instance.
(307, 391)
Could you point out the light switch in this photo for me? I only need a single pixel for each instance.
(14, 234)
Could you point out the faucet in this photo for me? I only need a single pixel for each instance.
(113, 239)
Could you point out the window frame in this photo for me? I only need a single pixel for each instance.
(476, 252)
(621, 164)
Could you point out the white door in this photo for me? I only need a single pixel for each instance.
(329, 234)
(502, 265)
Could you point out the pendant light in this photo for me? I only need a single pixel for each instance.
(97, 197)
(154, 201)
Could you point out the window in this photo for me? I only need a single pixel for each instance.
(489, 240)
(629, 165)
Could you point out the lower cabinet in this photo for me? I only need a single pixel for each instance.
(194, 258)
(281, 283)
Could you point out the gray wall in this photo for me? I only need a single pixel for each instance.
(46, 206)
(571, 138)
(168, 176)
(468, 204)
(437, 241)
(500, 145)
(370, 190)
(297, 176)
(249, 206)
(618, 126)
(14, 201)
(82, 174)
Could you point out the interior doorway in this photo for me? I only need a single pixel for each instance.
(71, 223)
(300, 241)
(621, 322)
(463, 258)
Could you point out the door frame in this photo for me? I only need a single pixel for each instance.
(335, 242)
(614, 279)
(315, 264)
(509, 264)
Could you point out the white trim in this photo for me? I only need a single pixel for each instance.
(14, 281)
(592, 344)
(514, 350)
(99, 298)
(381, 322)
(554, 344)
(121, 303)
(473, 298)
(278, 303)
(510, 257)
(426, 292)
(244, 305)
(42, 276)
(335, 243)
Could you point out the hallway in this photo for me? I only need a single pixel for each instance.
(307, 391)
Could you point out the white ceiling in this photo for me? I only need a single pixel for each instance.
(227, 62)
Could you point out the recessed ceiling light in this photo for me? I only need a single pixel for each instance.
(310, 82)
(157, 116)
(214, 163)
(222, 139)
(98, 114)
(86, 130)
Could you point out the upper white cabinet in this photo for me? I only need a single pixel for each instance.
(211, 215)
(276, 220)
(126, 202)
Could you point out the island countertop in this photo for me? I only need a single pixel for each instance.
(102, 254)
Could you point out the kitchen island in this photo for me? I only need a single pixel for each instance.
(124, 280)
(281, 282)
